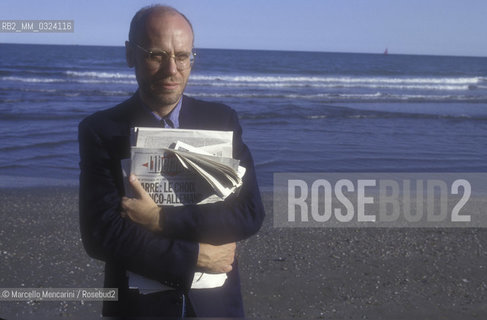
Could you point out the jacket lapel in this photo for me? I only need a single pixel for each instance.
(186, 116)
(138, 116)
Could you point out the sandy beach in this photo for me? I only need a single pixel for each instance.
(286, 273)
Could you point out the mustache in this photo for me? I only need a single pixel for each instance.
(165, 79)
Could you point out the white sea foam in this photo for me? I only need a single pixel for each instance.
(335, 97)
(33, 80)
(337, 79)
(276, 82)
(337, 85)
(106, 81)
(406, 84)
(87, 81)
(97, 74)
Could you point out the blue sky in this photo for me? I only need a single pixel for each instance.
(444, 27)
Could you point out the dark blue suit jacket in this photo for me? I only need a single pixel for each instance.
(169, 257)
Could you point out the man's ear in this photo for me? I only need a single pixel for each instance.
(129, 54)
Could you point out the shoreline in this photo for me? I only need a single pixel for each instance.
(304, 273)
(19, 182)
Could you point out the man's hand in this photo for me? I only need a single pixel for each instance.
(141, 209)
(216, 259)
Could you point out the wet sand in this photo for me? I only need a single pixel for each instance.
(286, 273)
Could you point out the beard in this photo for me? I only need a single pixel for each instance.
(154, 94)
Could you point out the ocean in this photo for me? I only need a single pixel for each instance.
(300, 111)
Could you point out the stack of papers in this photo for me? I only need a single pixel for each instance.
(179, 166)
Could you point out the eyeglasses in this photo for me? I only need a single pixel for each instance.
(183, 60)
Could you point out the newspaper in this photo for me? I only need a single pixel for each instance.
(217, 143)
(179, 167)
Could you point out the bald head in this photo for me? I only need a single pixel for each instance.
(160, 31)
(138, 24)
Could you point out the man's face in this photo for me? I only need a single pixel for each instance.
(162, 84)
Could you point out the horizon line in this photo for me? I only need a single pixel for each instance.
(277, 50)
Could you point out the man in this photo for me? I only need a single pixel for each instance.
(139, 241)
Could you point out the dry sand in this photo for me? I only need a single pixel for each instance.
(286, 273)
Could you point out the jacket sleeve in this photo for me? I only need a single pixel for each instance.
(236, 218)
(109, 237)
